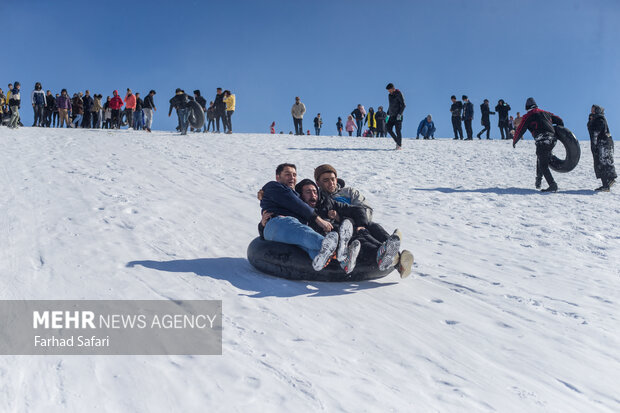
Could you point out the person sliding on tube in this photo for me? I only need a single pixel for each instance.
(540, 124)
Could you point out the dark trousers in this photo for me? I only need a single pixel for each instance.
(603, 155)
(116, 118)
(87, 119)
(487, 128)
(398, 138)
(360, 126)
(95, 121)
(221, 116)
(457, 128)
(229, 114)
(210, 125)
(298, 123)
(55, 119)
(371, 239)
(470, 132)
(503, 127)
(129, 115)
(47, 117)
(38, 115)
(543, 157)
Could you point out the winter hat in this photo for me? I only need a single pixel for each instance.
(530, 103)
(197, 92)
(178, 90)
(598, 110)
(389, 86)
(300, 186)
(321, 169)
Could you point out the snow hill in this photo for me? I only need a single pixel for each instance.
(513, 305)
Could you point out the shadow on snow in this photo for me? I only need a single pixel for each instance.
(506, 191)
(239, 273)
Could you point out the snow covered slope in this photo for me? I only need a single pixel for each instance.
(513, 306)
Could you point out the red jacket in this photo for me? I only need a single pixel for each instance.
(116, 102)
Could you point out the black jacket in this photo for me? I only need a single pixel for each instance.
(357, 114)
(139, 104)
(202, 102)
(397, 103)
(486, 111)
(538, 122)
(456, 109)
(502, 112)
(88, 103)
(219, 104)
(179, 101)
(468, 111)
(148, 102)
(51, 102)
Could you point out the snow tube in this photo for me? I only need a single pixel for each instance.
(573, 151)
(196, 115)
(123, 119)
(291, 262)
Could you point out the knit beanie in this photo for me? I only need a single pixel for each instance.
(530, 103)
(321, 169)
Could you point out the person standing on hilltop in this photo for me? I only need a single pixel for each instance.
(395, 112)
(380, 117)
(468, 117)
(148, 109)
(455, 110)
(339, 126)
(318, 122)
(229, 99)
(298, 110)
(484, 120)
(116, 103)
(358, 113)
(602, 146)
(502, 110)
(220, 109)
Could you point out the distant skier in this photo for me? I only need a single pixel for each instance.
(540, 124)
(455, 110)
(484, 120)
(395, 112)
(502, 110)
(602, 146)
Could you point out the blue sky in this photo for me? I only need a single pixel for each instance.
(332, 54)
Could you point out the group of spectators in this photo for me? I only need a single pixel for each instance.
(83, 110)
(463, 112)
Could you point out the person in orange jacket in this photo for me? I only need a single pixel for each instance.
(130, 107)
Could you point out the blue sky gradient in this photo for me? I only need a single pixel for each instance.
(332, 54)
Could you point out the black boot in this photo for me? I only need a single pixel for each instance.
(553, 187)
(538, 182)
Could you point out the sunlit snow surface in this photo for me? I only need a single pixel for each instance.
(513, 305)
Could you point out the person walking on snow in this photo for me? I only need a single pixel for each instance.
(455, 109)
(484, 120)
(350, 125)
(395, 112)
(468, 117)
(540, 124)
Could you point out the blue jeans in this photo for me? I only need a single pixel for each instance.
(360, 126)
(138, 121)
(183, 119)
(77, 120)
(317, 131)
(289, 230)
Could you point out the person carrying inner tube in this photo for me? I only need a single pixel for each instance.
(602, 146)
(540, 124)
(326, 177)
(180, 101)
(290, 217)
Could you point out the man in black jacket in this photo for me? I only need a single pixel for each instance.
(149, 107)
(358, 115)
(88, 104)
(395, 112)
(49, 109)
(380, 116)
(455, 109)
(220, 109)
(180, 102)
(540, 124)
(468, 117)
(485, 121)
(502, 110)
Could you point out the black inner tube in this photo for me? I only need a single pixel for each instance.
(573, 151)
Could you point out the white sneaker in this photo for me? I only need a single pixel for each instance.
(328, 246)
(387, 254)
(352, 252)
(345, 233)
